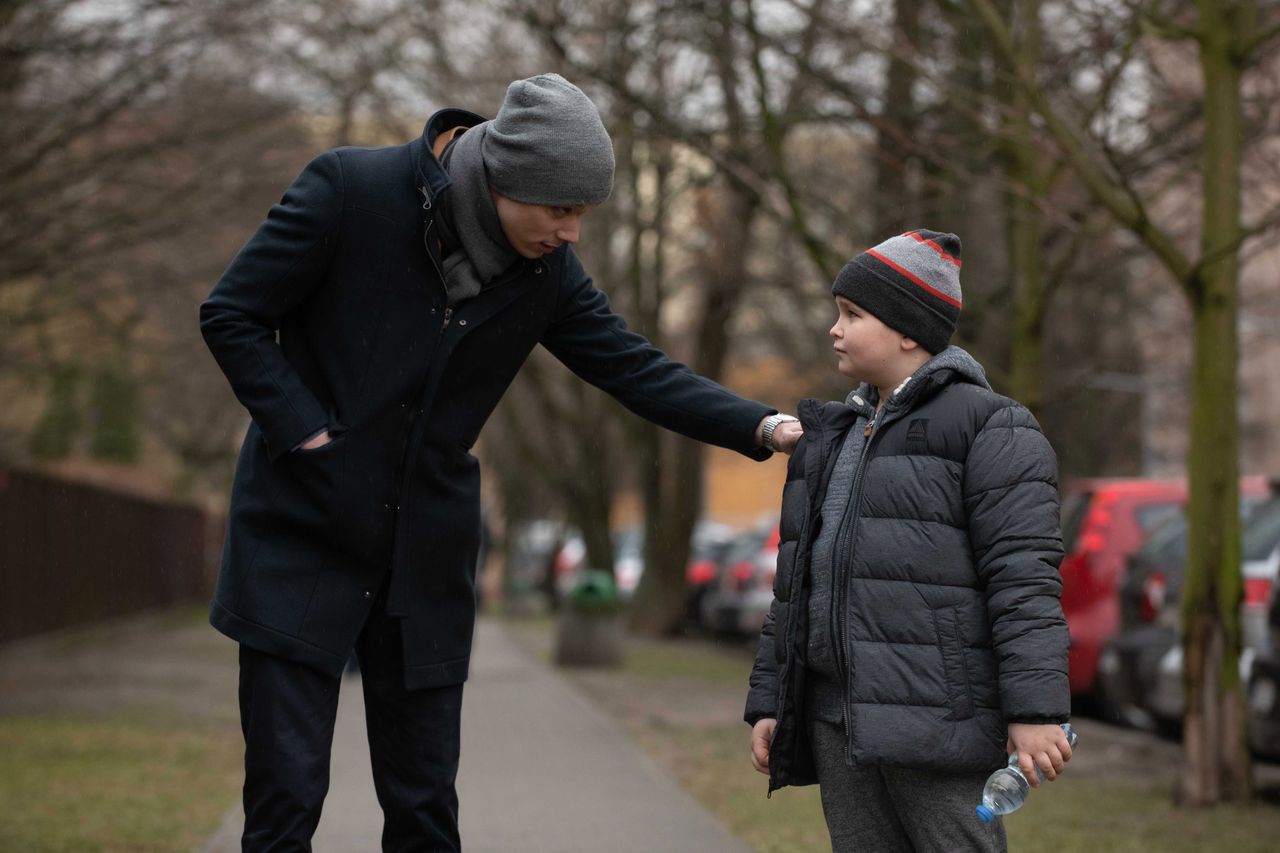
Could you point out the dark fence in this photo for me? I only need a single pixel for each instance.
(72, 553)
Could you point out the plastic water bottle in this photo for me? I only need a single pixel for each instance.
(1006, 789)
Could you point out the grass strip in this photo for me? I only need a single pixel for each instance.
(126, 783)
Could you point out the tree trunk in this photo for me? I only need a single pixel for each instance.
(1025, 170)
(659, 605)
(1026, 233)
(895, 208)
(676, 488)
(1215, 760)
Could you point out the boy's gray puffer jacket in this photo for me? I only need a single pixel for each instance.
(947, 618)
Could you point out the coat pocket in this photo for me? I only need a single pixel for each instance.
(955, 669)
(279, 593)
(320, 471)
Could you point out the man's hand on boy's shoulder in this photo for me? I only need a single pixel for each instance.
(783, 437)
(1044, 746)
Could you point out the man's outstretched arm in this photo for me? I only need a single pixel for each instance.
(595, 343)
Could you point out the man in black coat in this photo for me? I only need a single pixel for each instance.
(370, 327)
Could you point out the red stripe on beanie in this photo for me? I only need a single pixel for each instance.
(941, 251)
(904, 271)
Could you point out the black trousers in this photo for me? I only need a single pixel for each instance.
(287, 713)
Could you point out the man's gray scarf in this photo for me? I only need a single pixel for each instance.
(470, 222)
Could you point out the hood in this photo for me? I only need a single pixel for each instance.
(951, 366)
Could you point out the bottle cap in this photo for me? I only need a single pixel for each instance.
(985, 814)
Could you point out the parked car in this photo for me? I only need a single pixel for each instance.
(1103, 523)
(1263, 696)
(1140, 671)
(1263, 680)
(1128, 663)
(707, 546)
(570, 561)
(628, 561)
(739, 600)
(533, 549)
(708, 554)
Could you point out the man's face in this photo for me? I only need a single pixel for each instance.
(533, 230)
(865, 348)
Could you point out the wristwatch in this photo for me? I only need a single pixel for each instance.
(771, 424)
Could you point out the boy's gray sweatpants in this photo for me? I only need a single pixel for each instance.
(889, 809)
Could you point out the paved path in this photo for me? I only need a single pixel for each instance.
(543, 771)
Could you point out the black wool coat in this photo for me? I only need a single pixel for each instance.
(946, 581)
(333, 316)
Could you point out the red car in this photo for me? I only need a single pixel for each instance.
(1103, 523)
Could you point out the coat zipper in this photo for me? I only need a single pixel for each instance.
(844, 543)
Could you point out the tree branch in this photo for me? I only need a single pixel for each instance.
(820, 253)
(1259, 43)
(1267, 221)
(1167, 28)
(1119, 200)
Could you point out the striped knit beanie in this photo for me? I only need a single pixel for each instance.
(911, 283)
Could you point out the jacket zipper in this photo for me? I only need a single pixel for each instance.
(842, 557)
(834, 620)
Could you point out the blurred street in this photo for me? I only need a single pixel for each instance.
(543, 769)
(624, 759)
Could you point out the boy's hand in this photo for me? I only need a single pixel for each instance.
(761, 737)
(1043, 746)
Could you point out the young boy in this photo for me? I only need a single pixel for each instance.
(915, 633)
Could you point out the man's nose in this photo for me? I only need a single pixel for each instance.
(568, 232)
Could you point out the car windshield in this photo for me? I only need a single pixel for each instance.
(1262, 532)
(1154, 515)
(1168, 542)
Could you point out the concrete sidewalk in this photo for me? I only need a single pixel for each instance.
(542, 770)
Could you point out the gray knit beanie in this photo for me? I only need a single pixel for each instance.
(548, 145)
(911, 283)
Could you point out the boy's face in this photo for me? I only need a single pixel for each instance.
(533, 230)
(866, 348)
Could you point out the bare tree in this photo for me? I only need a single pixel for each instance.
(1228, 41)
(128, 143)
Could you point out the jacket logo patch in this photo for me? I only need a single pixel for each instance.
(918, 435)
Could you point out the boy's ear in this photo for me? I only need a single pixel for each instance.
(909, 344)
